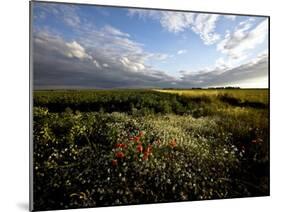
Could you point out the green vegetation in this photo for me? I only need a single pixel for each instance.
(97, 148)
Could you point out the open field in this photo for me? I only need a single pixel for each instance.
(112, 147)
(254, 95)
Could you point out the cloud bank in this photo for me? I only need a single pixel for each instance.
(107, 57)
(253, 69)
(110, 63)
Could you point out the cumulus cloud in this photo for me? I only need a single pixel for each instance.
(238, 43)
(76, 50)
(202, 24)
(132, 65)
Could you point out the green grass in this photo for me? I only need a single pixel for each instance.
(176, 145)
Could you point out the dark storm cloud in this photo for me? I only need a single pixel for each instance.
(59, 63)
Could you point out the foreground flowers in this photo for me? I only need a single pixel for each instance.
(147, 152)
(133, 145)
(120, 155)
(120, 145)
(139, 148)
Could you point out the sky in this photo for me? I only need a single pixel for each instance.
(86, 46)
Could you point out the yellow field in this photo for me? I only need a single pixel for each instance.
(253, 95)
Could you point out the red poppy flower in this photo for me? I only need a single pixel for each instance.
(139, 148)
(145, 156)
(114, 162)
(119, 145)
(137, 139)
(119, 154)
(147, 152)
(149, 149)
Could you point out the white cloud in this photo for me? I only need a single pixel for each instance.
(113, 31)
(131, 65)
(243, 39)
(181, 51)
(96, 63)
(176, 21)
(202, 24)
(57, 44)
(76, 50)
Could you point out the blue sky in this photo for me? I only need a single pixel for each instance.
(86, 46)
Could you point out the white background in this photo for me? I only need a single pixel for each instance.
(14, 103)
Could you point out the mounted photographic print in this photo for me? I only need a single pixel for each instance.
(136, 105)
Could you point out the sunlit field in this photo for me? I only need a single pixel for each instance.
(112, 147)
(254, 95)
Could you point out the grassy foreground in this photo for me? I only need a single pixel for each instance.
(98, 148)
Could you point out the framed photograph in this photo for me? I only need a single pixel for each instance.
(138, 105)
